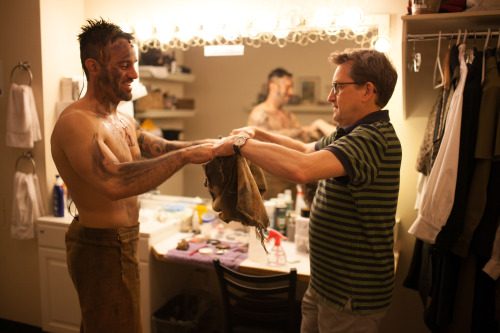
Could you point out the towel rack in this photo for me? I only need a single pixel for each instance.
(22, 65)
(29, 156)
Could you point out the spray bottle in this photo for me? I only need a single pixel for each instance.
(58, 197)
(276, 256)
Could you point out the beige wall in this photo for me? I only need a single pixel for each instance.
(20, 41)
(224, 90)
(33, 31)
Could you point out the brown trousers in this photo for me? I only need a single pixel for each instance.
(104, 267)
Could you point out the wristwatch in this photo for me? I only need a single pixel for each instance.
(238, 143)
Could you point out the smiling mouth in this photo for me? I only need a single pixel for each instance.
(128, 86)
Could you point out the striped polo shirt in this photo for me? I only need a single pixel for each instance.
(352, 217)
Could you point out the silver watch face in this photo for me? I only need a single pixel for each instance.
(239, 141)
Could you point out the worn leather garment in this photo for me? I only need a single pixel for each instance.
(236, 187)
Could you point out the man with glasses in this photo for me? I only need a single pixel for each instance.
(353, 213)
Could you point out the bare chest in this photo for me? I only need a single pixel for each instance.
(122, 141)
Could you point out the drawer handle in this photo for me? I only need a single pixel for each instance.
(42, 231)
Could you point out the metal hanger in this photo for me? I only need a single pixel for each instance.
(485, 48)
(28, 156)
(437, 65)
(22, 65)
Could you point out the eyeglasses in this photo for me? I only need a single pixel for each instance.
(335, 86)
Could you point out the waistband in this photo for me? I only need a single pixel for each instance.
(76, 230)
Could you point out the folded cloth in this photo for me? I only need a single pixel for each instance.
(27, 205)
(231, 258)
(23, 127)
(236, 187)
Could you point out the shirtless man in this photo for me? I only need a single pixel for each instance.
(270, 116)
(101, 155)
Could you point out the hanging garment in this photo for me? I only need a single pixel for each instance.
(23, 127)
(487, 149)
(492, 267)
(27, 205)
(236, 188)
(468, 132)
(437, 201)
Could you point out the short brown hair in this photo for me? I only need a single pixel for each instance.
(95, 36)
(370, 65)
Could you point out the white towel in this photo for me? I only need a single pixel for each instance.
(23, 127)
(27, 205)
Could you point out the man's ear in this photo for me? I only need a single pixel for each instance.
(93, 66)
(370, 91)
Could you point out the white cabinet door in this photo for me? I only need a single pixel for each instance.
(60, 307)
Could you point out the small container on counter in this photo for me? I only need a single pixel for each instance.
(302, 231)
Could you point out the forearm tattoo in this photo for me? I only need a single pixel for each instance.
(130, 172)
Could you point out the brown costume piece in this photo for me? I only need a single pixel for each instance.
(236, 188)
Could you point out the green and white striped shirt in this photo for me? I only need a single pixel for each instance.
(352, 217)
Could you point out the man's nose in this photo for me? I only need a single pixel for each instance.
(332, 96)
(133, 73)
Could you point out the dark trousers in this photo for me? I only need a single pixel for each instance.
(104, 267)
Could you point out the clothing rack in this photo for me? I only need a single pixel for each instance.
(452, 35)
(29, 156)
(22, 65)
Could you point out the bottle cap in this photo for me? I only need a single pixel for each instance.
(208, 217)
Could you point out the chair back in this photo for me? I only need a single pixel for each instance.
(261, 302)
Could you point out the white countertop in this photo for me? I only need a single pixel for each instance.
(297, 260)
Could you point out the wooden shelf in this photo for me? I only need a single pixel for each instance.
(161, 73)
(451, 22)
(418, 93)
(308, 108)
(176, 113)
(304, 108)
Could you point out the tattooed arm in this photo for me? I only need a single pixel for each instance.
(92, 156)
(154, 146)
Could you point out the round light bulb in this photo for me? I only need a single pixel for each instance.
(143, 30)
(381, 43)
(265, 22)
(165, 32)
(323, 17)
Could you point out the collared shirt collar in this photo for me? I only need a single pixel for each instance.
(382, 115)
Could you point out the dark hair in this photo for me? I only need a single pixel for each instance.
(95, 36)
(370, 65)
(279, 73)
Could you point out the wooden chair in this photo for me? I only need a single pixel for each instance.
(258, 303)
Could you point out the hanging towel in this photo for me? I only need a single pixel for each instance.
(27, 205)
(23, 127)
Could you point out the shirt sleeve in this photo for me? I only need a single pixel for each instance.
(492, 267)
(361, 153)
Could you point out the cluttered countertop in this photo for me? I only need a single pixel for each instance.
(179, 234)
(197, 242)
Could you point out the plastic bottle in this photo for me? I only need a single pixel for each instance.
(271, 212)
(299, 201)
(173, 64)
(208, 224)
(288, 199)
(276, 256)
(195, 222)
(280, 215)
(290, 225)
(302, 231)
(58, 197)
